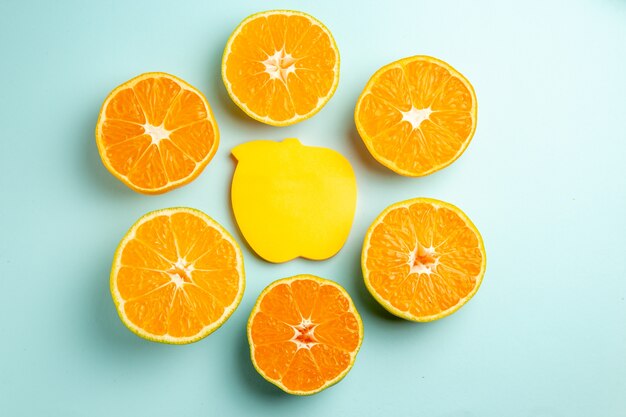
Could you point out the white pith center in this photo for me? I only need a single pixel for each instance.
(280, 65)
(423, 260)
(416, 116)
(157, 133)
(304, 335)
(180, 272)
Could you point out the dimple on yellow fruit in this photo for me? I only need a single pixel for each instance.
(280, 66)
(416, 115)
(423, 259)
(156, 133)
(304, 334)
(177, 276)
(292, 200)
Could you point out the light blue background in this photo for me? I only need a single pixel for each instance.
(544, 180)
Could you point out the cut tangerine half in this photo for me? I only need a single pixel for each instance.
(416, 115)
(423, 259)
(177, 276)
(156, 132)
(280, 66)
(304, 334)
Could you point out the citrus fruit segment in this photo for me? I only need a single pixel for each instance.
(292, 200)
(423, 259)
(280, 66)
(177, 276)
(416, 115)
(156, 132)
(304, 334)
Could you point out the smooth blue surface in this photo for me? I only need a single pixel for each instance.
(544, 180)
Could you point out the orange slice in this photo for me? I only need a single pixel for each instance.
(304, 334)
(416, 115)
(156, 132)
(280, 66)
(177, 276)
(423, 259)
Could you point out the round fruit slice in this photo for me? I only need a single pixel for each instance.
(177, 276)
(280, 66)
(304, 334)
(416, 115)
(423, 259)
(156, 132)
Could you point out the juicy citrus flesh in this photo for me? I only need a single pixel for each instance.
(281, 67)
(423, 259)
(156, 132)
(177, 276)
(417, 115)
(304, 334)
